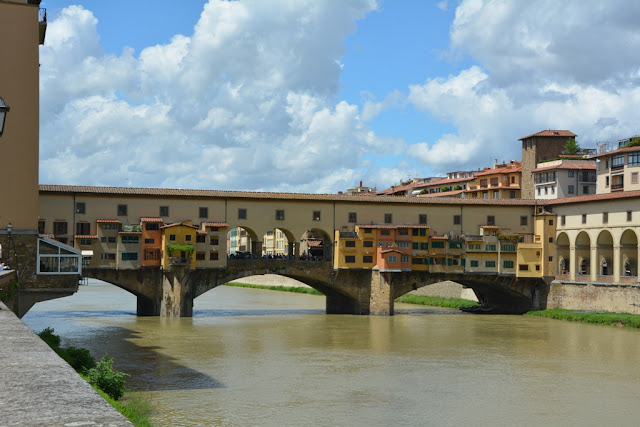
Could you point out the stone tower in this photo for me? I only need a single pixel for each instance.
(547, 144)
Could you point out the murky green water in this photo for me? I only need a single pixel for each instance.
(252, 357)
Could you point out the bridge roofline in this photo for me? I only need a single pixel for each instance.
(224, 194)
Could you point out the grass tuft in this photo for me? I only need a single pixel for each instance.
(295, 289)
(435, 301)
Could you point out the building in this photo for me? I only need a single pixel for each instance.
(537, 147)
(500, 182)
(565, 177)
(619, 169)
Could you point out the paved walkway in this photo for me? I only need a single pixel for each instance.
(38, 388)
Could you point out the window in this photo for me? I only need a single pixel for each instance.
(350, 259)
(172, 237)
(393, 258)
(404, 245)
(550, 222)
(213, 256)
(634, 159)
(367, 259)
(122, 210)
(388, 218)
(491, 220)
(617, 161)
(571, 190)
(457, 219)
(424, 246)
(539, 191)
(53, 259)
(437, 245)
(455, 245)
(584, 218)
(550, 239)
(151, 226)
(148, 241)
(512, 194)
(80, 208)
(571, 173)
(490, 248)
(404, 259)
(129, 256)
(353, 217)
(496, 194)
(634, 177)
(368, 231)
(605, 217)
(367, 243)
(415, 245)
(403, 232)
(523, 267)
(385, 232)
(507, 264)
(130, 239)
(213, 241)
(585, 189)
(537, 267)
(473, 263)
(422, 219)
(59, 227)
(629, 215)
(164, 210)
(508, 247)
(85, 242)
(606, 181)
(490, 264)
(103, 240)
(350, 244)
(41, 227)
(524, 220)
(242, 214)
(200, 256)
(563, 220)
(201, 238)
(550, 259)
(203, 213)
(316, 215)
(83, 228)
(187, 237)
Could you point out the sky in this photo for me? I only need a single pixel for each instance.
(313, 96)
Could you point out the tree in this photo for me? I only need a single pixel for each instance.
(571, 146)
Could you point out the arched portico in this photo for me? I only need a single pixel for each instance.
(563, 247)
(607, 264)
(583, 255)
(629, 253)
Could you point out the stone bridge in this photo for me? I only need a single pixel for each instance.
(171, 293)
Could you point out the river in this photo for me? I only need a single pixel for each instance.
(252, 357)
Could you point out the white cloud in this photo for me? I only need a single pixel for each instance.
(245, 102)
(542, 64)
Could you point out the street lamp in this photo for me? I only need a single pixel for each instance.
(3, 114)
(9, 230)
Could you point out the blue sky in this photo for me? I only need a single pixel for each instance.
(315, 96)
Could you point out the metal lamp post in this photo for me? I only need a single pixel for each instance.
(9, 230)
(3, 114)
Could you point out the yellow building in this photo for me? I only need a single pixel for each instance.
(178, 245)
(500, 182)
(211, 245)
(536, 259)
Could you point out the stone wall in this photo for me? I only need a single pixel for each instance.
(624, 298)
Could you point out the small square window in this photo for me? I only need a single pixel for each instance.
(80, 208)
(164, 210)
(550, 222)
(187, 237)
(524, 220)
(422, 219)
(457, 219)
(316, 215)
(122, 210)
(491, 220)
(388, 218)
(353, 217)
(203, 213)
(172, 237)
(279, 215)
(550, 239)
(242, 214)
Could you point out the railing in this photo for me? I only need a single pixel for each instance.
(617, 186)
(176, 260)
(348, 235)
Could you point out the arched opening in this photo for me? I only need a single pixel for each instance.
(276, 245)
(315, 245)
(241, 243)
(605, 253)
(564, 254)
(583, 252)
(629, 253)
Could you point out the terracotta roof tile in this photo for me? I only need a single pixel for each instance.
(490, 227)
(150, 219)
(442, 194)
(392, 226)
(222, 194)
(619, 150)
(551, 132)
(585, 165)
(129, 232)
(85, 236)
(593, 198)
(215, 224)
(175, 224)
(108, 221)
(438, 238)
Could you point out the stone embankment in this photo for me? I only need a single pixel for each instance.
(38, 388)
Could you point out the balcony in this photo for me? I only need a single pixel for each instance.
(42, 24)
(617, 187)
(176, 260)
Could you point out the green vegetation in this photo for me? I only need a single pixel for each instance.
(605, 318)
(109, 382)
(188, 248)
(296, 289)
(8, 295)
(571, 146)
(635, 141)
(437, 301)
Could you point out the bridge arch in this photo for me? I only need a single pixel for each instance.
(629, 253)
(563, 246)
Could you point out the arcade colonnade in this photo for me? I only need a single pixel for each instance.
(598, 255)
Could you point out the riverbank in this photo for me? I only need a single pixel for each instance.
(596, 317)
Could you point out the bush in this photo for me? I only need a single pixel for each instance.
(50, 338)
(106, 378)
(80, 359)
